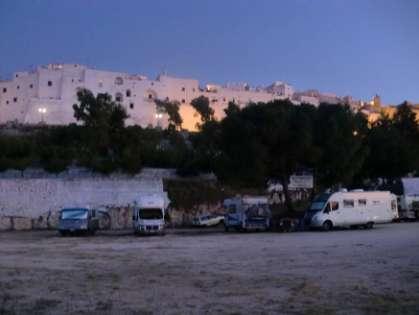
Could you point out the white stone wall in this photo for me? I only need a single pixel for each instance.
(34, 197)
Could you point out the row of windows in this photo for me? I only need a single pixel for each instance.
(184, 89)
(14, 100)
(350, 203)
(119, 97)
(30, 86)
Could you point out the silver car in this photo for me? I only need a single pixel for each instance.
(78, 220)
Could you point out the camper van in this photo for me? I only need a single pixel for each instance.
(78, 220)
(148, 214)
(247, 213)
(409, 201)
(351, 208)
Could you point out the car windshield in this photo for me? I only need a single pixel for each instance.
(152, 213)
(74, 214)
(319, 202)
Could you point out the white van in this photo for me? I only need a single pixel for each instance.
(351, 208)
(148, 214)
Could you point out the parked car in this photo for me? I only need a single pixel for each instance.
(78, 220)
(208, 220)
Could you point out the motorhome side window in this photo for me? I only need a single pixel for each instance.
(348, 203)
(334, 205)
(393, 205)
(362, 202)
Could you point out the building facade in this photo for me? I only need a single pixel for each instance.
(47, 94)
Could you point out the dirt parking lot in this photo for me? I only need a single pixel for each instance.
(340, 272)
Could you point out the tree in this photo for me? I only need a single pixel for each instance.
(394, 146)
(99, 111)
(171, 108)
(202, 105)
(340, 134)
(104, 120)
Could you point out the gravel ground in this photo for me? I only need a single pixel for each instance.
(340, 272)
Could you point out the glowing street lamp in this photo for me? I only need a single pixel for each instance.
(42, 111)
(158, 116)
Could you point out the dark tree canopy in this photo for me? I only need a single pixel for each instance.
(249, 146)
(99, 111)
(171, 108)
(202, 105)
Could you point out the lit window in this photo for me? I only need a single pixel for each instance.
(131, 105)
(49, 83)
(128, 93)
(118, 97)
(4, 90)
(334, 205)
(119, 81)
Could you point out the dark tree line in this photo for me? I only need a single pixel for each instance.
(247, 147)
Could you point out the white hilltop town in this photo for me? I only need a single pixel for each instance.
(46, 95)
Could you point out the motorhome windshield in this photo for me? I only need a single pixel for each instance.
(151, 214)
(67, 214)
(319, 202)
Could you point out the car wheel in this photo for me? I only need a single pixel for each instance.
(369, 225)
(327, 226)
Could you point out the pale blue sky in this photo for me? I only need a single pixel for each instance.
(356, 47)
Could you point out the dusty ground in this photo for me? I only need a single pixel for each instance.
(341, 272)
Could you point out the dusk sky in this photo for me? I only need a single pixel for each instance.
(355, 47)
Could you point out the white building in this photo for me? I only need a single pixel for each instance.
(281, 88)
(47, 94)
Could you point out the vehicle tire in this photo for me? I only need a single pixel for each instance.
(369, 225)
(327, 225)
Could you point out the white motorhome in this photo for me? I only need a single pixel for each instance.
(351, 208)
(409, 201)
(148, 214)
